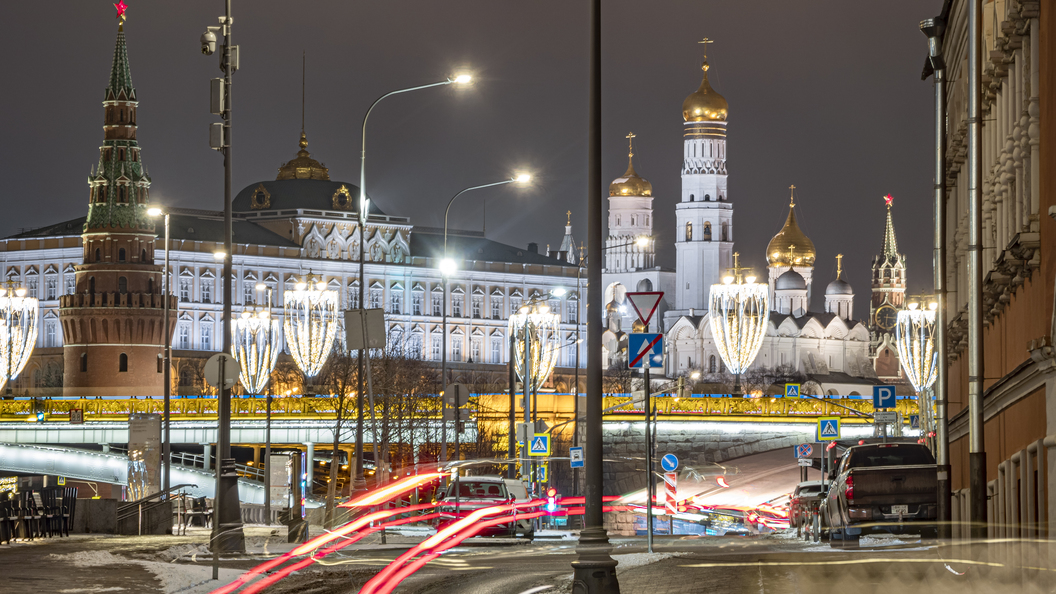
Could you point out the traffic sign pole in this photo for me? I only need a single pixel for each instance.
(648, 458)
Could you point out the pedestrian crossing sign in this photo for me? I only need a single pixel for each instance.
(540, 445)
(828, 428)
(791, 390)
(542, 473)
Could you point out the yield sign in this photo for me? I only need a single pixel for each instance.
(645, 303)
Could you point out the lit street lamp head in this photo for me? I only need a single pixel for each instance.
(154, 212)
(219, 255)
(558, 292)
(643, 241)
(523, 178)
(448, 267)
(462, 79)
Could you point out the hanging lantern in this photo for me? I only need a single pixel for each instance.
(739, 311)
(543, 332)
(915, 336)
(18, 331)
(310, 324)
(256, 341)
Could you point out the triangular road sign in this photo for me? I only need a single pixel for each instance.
(644, 304)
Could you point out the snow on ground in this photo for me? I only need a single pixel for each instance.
(173, 577)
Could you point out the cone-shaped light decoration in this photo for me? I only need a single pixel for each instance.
(311, 324)
(256, 340)
(18, 331)
(543, 338)
(739, 312)
(916, 345)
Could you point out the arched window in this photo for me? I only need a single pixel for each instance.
(98, 255)
(707, 197)
(84, 362)
(692, 198)
(725, 231)
(150, 286)
(689, 231)
(707, 231)
(91, 284)
(121, 255)
(645, 285)
(122, 364)
(711, 364)
(143, 256)
(122, 285)
(161, 363)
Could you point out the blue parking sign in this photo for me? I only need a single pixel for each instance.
(883, 397)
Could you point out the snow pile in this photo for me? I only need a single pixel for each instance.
(632, 560)
(91, 558)
(174, 577)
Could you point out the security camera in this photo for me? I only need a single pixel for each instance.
(208, 42)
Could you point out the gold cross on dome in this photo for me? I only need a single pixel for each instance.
(839, 265)
(737, 268)
(569, 221)
(630, 143)
(705, 42)
(791, 254)
(792, 197)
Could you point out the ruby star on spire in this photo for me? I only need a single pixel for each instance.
(888, 199)
(121, 8)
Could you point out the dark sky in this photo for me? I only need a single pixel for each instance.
(823, 94)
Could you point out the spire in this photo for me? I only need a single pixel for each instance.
(568, 244)
(120, 87)
(630, 155)
(890, 245)
(839, 265)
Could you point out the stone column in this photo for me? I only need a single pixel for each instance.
(207, 452)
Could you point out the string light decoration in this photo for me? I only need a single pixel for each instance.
(18, 331)
(739, 312)
(256, 341)
(543, 332)
(915, 336)
(310, 326)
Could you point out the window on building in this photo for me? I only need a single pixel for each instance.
(496, 308)
(71, 285)
(186, 376)
(185, 290)
(84, 362)
(121, 255)
(707, 232)
(711, 364)
(436, 349)
(725, 231)
(49, 334)
(573, 312)
(475, 351)
(478, 305)
(416, 303)
(207, 290)
(496, 350)
(555, 308)
(207, 337)
(456, 349)
(51, 288)
(353, 297)
(91, 284)
(395, 303)
(184, 340)
(375, 298)
(98, 255)
(414, 346)
(438, 305)
(247, 293)
(32, 286)
(122, 362)
(570, 355)
(122, 284)
(456, 306)
(515, 304)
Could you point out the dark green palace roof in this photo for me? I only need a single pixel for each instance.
(291, 194)
(469, 245)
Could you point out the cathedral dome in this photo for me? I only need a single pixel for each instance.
(839, 287)
(303, 166)
(705, 104)
(790, 247)
(630, 184)
(790, 281)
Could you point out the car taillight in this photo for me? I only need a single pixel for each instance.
(849, 493)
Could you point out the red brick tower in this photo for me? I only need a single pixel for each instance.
(113, 325)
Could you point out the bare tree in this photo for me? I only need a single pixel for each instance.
(338, 380)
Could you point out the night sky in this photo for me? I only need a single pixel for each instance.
(825, 95)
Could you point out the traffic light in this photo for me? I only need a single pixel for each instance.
(551, 500)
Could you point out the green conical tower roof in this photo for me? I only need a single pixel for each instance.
(120, 87)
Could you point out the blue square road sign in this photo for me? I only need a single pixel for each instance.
(883, 397)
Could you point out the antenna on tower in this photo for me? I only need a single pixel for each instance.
(304, 61)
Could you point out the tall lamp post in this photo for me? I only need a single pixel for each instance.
(739, 312)
(359, 483)
(227, 525)
(447, 268)
(166, 446)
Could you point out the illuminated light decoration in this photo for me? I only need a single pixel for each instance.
(544, 339)
(18, 331)
(310, 324)
(256, 339)
(121, 8)
(739, 311)
(915, 336)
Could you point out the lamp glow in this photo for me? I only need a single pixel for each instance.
(462, 79)
(523, 178)
(219, 255)
(448, 267)
(154, 212)
(558, 292)
(642, 241)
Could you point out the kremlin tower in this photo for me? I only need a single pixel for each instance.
(889, 296)
(112, 325)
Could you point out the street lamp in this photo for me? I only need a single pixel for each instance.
(359, 483)
(447, 268)
(915, 337)
(739, 312)
(166, 377)
(310, 323)
(18, 334)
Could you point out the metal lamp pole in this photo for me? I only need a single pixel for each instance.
(166, 447)
(359, 483)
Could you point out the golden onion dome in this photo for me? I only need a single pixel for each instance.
(303, 166)
(705, 104)
(790, 247)
(630, 184)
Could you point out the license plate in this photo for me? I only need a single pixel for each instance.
(900, 509)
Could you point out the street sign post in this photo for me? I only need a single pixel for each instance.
(645, 350)
(645, 304)
(575, 457)
(828, 428)
(885, 416)
(221, 363)
(791, 390)
(669, 462)
(883, 397)
(540, 445)
(804, 450)
(806, 462)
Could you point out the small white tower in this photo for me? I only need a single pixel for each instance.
(790, 294)
(704, 216)
(630, 218)
(839, 297)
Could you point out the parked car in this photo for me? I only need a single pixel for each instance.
(805, 501)
(467, 494)
(888, 487)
